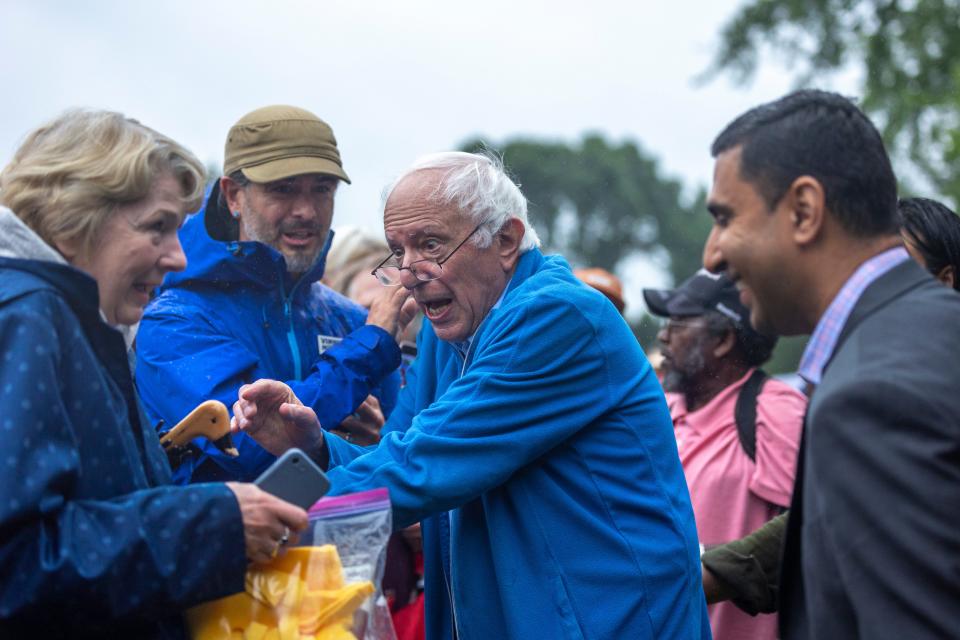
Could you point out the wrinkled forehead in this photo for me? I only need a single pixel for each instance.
(415, 207)
(423, 184)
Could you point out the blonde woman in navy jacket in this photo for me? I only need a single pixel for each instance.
(94, 541)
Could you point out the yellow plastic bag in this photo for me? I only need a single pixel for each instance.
(300, 595)
(325, 590)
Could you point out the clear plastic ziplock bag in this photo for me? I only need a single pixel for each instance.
(325, 588)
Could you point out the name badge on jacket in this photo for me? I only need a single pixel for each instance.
(325, 342)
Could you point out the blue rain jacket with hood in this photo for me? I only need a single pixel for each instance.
(235, 315)
(94, 540)
(551, 447)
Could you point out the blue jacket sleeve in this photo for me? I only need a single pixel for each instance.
(405, 409)
(347, 372)
(341, 452)
(184, 359)
(65, 538)
(539, 377)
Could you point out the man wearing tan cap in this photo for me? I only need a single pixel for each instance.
(250, 303)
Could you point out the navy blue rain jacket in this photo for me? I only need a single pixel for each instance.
(234, 316)
(94, 543)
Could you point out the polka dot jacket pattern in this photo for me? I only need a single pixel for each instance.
(93, 538)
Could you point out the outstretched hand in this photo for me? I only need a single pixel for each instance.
(270, 413)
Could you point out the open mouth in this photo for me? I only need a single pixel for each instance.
(299, 237)
(435, 308)
(145, 287)
(142, 291)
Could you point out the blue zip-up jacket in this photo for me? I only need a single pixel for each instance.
(552, 448)
(94, 541)
(234, 316)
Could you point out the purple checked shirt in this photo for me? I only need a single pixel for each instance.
(825, 336)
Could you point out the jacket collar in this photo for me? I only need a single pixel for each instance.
(888, 287)
(30, 254)
(528, 264)
(17, 240)
(20, 242)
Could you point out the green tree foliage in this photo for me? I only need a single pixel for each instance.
(598, 203)
(909, 51)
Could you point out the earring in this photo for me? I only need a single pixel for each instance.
(235, 214)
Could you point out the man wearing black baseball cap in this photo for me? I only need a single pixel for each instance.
(737, 430)
(250, 303)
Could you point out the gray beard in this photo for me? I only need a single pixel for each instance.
(297, 262)
(676, 381)
(682, 375)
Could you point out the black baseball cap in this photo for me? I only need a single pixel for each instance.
(702, 292)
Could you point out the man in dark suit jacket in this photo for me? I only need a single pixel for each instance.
(804, 204)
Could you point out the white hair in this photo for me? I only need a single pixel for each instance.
(480, 188)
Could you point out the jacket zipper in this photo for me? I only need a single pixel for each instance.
(449, 578)
(291, 335)
(453, 609)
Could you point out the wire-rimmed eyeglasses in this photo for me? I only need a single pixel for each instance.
(423, 270)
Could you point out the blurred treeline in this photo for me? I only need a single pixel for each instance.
(598, 203)
(906, 54)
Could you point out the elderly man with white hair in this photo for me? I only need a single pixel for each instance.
(532, 438)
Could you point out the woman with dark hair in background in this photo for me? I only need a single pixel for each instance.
(931, 233)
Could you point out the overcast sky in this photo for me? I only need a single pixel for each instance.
(394, 79)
